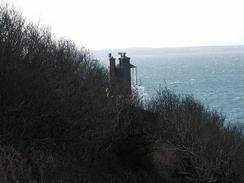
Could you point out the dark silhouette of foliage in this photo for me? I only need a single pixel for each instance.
(205, 149)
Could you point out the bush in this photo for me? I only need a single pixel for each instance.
(206, 149)
(47, 91)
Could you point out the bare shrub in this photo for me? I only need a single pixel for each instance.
(208, 150)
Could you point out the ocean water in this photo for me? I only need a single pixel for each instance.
(215, 79)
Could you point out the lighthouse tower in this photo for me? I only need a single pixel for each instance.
(120, 74)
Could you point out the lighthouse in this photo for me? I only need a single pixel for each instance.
(120, 74)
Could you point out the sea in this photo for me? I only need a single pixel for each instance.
(212, 75)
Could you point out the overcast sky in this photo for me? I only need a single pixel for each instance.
(99, 24)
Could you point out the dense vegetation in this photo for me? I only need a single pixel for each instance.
(58, 123)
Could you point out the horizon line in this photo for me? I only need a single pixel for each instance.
(170, 47)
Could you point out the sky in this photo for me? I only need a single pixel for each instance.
(108, 24)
